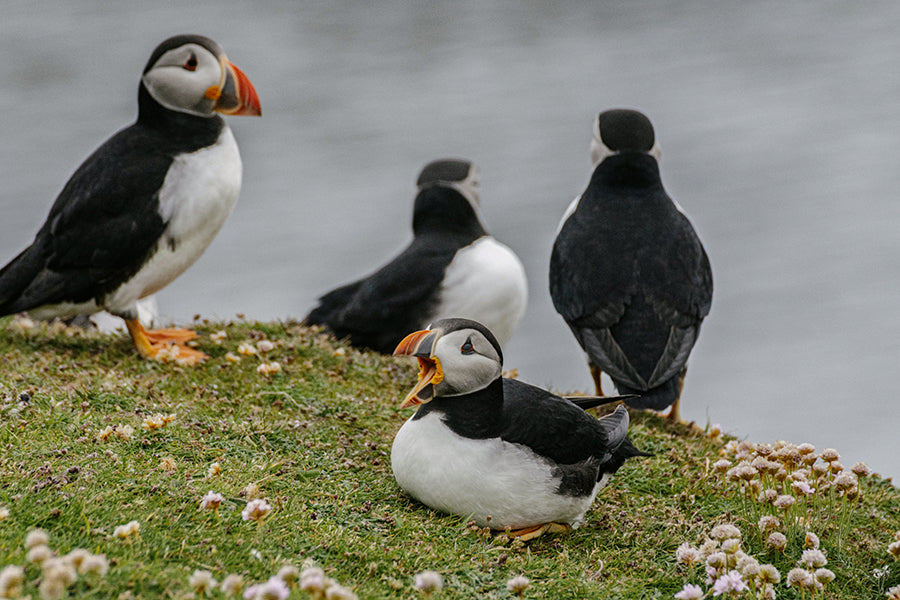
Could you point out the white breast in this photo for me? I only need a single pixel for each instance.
(485, 282)
(495, 483)
(198, 194)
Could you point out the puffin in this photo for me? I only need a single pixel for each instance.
(628, 273)
(508, 455)
(146, 204)
(452, 267)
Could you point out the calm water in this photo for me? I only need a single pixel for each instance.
(780, 129)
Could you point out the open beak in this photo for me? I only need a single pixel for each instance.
(236, 95)
(421, 345)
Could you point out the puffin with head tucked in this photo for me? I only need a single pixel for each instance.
(452, 267)
(146, 204)
(508, 455)
(628, 273)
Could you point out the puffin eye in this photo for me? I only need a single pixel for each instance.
(467, 348)
(191, 64)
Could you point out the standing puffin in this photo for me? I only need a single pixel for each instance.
(628, 272)
(451, 268)
(146, 204)
(502, 452)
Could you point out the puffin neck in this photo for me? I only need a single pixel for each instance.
(477, 415)
(182, 129)
(440, 209)
(628, 169)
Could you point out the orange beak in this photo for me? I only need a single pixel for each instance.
(236, 95)
(421, 345)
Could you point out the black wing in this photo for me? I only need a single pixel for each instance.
(558, 429)
(100, 229)
(378, 311)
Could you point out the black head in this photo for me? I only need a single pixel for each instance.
(456, 357)
(622, 131)
(447, 199)
(190, 74)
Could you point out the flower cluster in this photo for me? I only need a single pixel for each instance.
(124, 532)
(894, 547)
(811, 575)
(158, 421)
(211, 501)
(123, 432)
(729, 570)
(789, 478)
(428, 582)
(58, 573)
(256, 510)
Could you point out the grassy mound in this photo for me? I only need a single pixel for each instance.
(93, 438)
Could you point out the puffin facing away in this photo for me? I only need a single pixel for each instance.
(504, 453)
(628, 272)
(146, 204)
(452, 267)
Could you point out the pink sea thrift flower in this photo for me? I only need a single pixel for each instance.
(690, 592)
(732, 581)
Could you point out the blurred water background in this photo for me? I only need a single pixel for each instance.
(779, 124)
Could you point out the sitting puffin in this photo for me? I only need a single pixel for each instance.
(451, 268)
(504, 453)
(628, 272)
(146, 204)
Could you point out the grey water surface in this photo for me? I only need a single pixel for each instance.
(779, 125)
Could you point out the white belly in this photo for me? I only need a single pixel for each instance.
(485, 282)
(495, 483)
(199, 192)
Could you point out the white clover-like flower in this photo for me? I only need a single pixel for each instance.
(338, 592)
(829, 455)
(804, 488)
(824, 576)
(51, 589)
(811, 540)
(784, 501)
(845, 480)
(312, 580)
(289, 574)
(518, 584)
(721, 465)
(813, 558)
(246, 348)
(232, 585)
(725, 531)
(38, 554)
(76, 557)
(708, 547)
(806, 448)
(861, 469)
(211, 501)
(4, 513)
(686, 554)
(95, 565)
(11, 579)
(36, 537)
(127, 530)
(800, 578)
(202, 581)
(717, 560)
(269, 368)
(768, 574)
(748, 566)
(731, 546)
(59, 570)
(894, 549)
(715, 430)
(894, 593)
(218, 336)
(730, 582)
(428, 582)
(265, 346)
(154, 422)
(167, 463)
(232, 357)
(768, 523)
(776, 541)
(124, 432)
(256, 510)
(690, 592)
(214, 470)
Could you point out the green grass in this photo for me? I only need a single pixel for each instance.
(315, 438)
